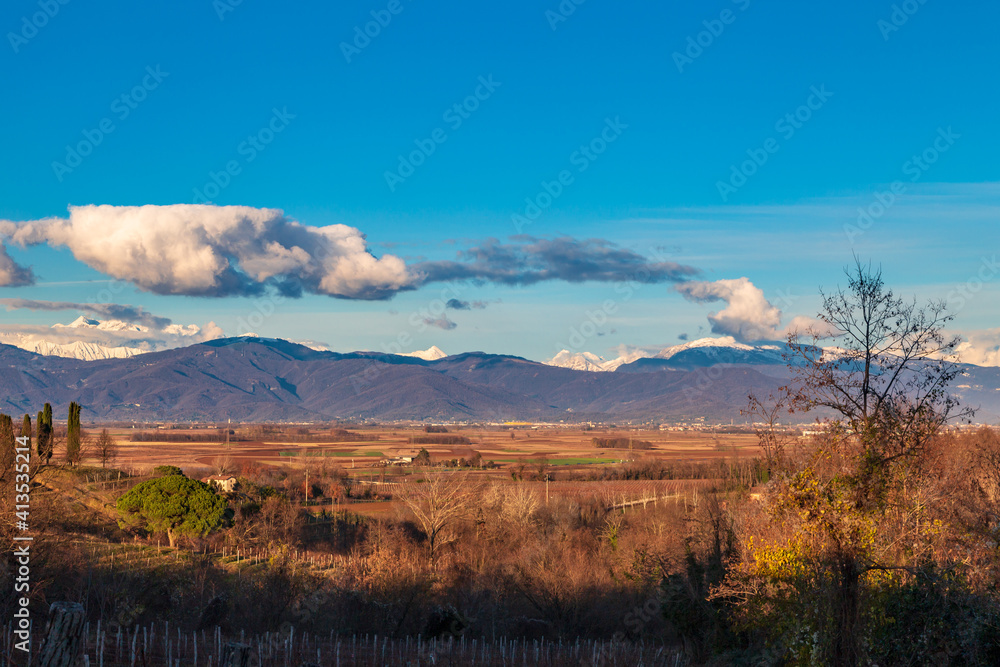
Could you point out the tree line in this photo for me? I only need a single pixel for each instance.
(44, 437)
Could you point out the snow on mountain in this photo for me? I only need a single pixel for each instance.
(588, 361)
(721, 342)
(433, 353)
(724, 349)
(75, 350)
(578, 361)
(91, 339)
(311, 344)
(84, 322)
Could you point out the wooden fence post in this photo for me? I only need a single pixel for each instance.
(235, 655)
(62, 645)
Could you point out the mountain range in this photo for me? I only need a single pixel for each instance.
(693, 354)
(260, 379)
(90, 339)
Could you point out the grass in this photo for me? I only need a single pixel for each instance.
(572, 461)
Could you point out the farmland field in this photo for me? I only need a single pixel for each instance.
(567, 457)
(567, 448)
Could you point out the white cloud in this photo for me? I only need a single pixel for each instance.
(981, 348)
(207, 250)
(748, 315)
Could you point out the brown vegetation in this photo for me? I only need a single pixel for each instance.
(874, 543)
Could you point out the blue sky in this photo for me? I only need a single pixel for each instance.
(889, 91)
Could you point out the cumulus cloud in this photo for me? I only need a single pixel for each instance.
(13, 274)
(205, 250)
(748, 315)
(981, 348)
(440, 323)
(114, 311)
(528, 260)
(210, 331)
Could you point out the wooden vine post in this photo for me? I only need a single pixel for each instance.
(62, 645)
(235, 654)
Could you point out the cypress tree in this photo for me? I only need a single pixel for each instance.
(39, 440)
(26, 430)
(6, 441)
(73, 434)
(45, 433)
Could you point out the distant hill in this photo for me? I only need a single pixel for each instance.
(251, 378)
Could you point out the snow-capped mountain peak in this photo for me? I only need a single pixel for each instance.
(84, 322)
(77, 349)
(723, 344)
(724, 349)
(90, 339)
(579, 361)
(433, 353)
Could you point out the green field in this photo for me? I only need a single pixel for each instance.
(570, 461)
(574, 461)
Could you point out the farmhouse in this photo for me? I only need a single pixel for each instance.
(226, 483)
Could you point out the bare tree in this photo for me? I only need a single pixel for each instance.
(438, 502)
(765, 418)
(224, 464)
(511, 505)
(887, 380)
(884, 378)
(106, 448)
